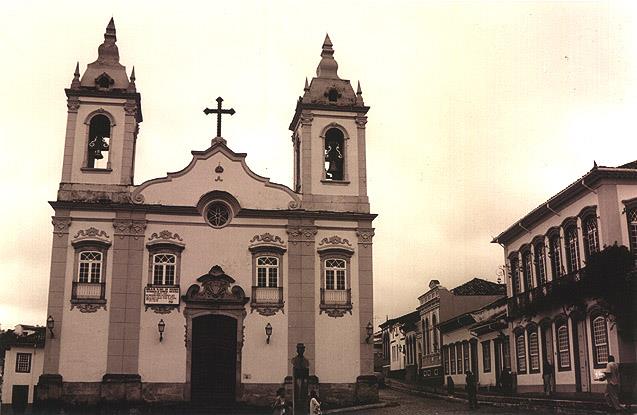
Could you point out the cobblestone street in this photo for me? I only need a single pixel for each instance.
(415, 405)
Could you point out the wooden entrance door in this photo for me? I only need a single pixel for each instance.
(19, 398)
(582, 371)
(214, 359)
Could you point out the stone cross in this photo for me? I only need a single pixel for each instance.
(218, 111)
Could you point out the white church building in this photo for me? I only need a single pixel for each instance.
(197, 286)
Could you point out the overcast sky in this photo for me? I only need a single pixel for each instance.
(480, 111)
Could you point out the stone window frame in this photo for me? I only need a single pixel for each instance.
(346, 137)
(539, 260)
(562, 323)
(532, 330)
(520, 351)
(267, 308)
(526, 263)
(228, 206)
(595, 316)
(164, 247)
(23, 366)
(486, 356)
(570, 226)
(514, 270)
(586, 215)
(336, 310)
(557, 261)
(87, 122)
(90, 245)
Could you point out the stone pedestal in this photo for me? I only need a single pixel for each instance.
(121, 388)
(366, 389)
(48, 393)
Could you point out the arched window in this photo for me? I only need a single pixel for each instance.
(572, 249)
(434, 330)
(267, 271)
(534, 350)
(563, 348)
(540, 263)
(515, 274)
(600, 341)
(527, 264)
(591, 237)
(334, 154)
(555, 249)
(520, 352)
(90, 267)
(164, 266)
(99, 134)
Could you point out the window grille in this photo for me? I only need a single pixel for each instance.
(632, 230)
(90, 267)
(164, 269)
(521, 353)
(563, 347)
(335, 274)
(23, 363)
(218, 214)
(600, 341)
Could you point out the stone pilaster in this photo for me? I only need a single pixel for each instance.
(365, 233)
(126, 294)
(301, 288)
(128, 148)
(306, 153)
(73, 105)
(361, 120)
(609, 216)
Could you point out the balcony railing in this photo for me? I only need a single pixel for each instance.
(267, 295)
(88, 291)
(430, 360)
(336, 302)
(521, 301)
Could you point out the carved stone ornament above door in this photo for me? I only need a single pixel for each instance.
(214, 289)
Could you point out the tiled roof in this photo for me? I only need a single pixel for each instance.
(408, 318)
(478, 286)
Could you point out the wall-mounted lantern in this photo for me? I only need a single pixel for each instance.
(161, 326)
(50, 324)
(268, 332)
(370, 331)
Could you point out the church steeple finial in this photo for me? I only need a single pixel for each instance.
(108, 52)
(328, 67)
(307, 85)
(75, 83)
(131, 84)
(359, 94)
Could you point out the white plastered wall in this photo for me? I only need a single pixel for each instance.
(10, 376)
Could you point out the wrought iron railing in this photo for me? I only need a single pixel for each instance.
(88, 291)
(521, 301)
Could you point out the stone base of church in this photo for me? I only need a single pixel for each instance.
(52, 392)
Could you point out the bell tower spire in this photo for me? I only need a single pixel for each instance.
(104, 113)
(329, 140)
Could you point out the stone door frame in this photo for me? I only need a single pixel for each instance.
(213, 295)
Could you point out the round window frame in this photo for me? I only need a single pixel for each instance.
(221, 203)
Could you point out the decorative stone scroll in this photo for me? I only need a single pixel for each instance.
(335, 243)
(305, 234)
(267, 241)
(60, 225)
(162, 309)
(91, 234)
(214, 287)
(127, 227)
(365, 236)
(165, 235)
(88, 307)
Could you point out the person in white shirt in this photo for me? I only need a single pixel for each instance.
(315, 405)
(611, 375)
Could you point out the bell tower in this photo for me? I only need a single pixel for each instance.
(328, 136)
(104, 112)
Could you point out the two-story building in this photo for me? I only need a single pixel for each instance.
(549, 248)
(400, 346)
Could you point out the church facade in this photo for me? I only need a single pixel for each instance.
(198, 286)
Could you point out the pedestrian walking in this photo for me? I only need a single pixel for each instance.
(279, 405)
(547, 377)
(611, 375)
(315, 405)
(472, 390)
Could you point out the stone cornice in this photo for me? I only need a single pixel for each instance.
(301, 107)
